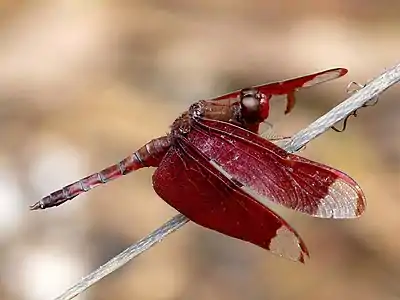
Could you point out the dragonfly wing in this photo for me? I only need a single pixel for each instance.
(289, 87)
(190, 183)
(286, 86)
(269, 134)
(271, 172)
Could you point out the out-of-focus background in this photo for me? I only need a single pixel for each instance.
(85, 83)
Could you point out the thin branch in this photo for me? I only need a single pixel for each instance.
(125, 256)
(370, 91)
(338, 113)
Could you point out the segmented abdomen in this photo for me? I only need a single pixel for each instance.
(149, 155)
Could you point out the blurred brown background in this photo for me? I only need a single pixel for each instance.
(85, 83)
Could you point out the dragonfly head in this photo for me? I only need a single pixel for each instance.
(254, 106)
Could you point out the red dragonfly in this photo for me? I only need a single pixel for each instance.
(214, 168)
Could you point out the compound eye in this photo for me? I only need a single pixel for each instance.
(248, 92)
(250, 104)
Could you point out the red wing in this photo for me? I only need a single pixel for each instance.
(271, 172)
(187, 181)
(288, 87)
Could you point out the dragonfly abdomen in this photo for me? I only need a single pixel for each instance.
(147, 156)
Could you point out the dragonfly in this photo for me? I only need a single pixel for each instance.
(215, 168)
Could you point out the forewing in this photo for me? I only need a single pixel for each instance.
(284, 178)
(284, 87)
(288, 87)
(191, 184)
